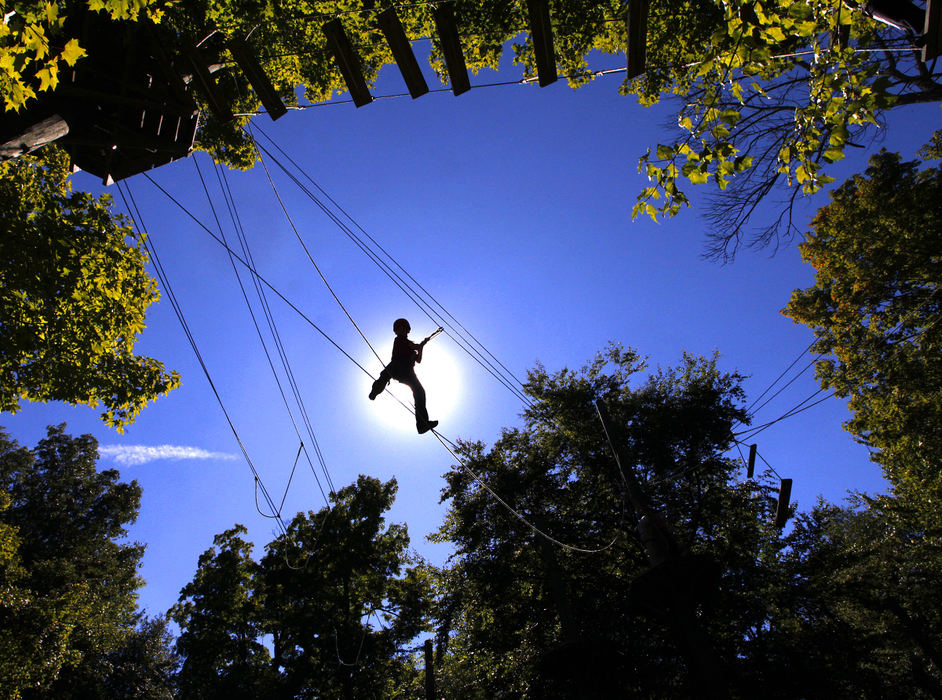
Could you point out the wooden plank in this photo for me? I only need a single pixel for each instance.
(541, 36)
(257, 77)
(348, 62)
(206, 85)
(637, 37)
(447, 30)
(932, 32)
(402, 51)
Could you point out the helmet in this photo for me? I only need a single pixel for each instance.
(401, 325)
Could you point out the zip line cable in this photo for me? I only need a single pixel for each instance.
(424, 305)
(444, 441)
(276, 336)
(317, 268)
(279, 345)
(801, 407)
(381, 249)
(463, 338)
(161, 274)
(779, 377)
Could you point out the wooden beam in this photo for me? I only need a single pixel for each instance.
(447, 28)
(541, 36)
(206, 85)
(257, 77)
(33, 136)
(751, 464)
(933, 30)
(637, 37)
(402, 52)
(348, 61)
(784, 495)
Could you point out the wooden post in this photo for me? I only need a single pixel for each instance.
(429, 671)
(33, 136)
(204, 81)
(541, 36)
(637, 37)
(751, 466)
(348, 62)
(932, 30)
(447, 28)
(784, 495)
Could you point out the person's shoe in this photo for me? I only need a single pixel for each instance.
(425, 427)
(373, 394)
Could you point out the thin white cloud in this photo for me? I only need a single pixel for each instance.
(134, 455)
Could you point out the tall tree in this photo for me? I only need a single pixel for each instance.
(525, 614)
(859, 616)
(69, 598)
(343, 597)
(73, 296)
(221, 625)
(875, 309)
(339, 594)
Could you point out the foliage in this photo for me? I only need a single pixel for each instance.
(219, 618)
(875, 311)
(73, 295)
(68, 587)
(523, 615)
(145, 666)
(774, 98)
(34, 42)
(861, 615)
(338, 593)
(768, 97)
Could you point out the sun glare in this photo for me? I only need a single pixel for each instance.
(439, 374)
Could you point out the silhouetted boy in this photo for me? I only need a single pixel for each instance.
(405, 355)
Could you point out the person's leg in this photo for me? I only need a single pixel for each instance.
(379, 386)
(418, 397)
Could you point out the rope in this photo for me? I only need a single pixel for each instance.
(158, 267)
(276, 336)
(310, 257)
(506, 377)
(445, 443)
(279, 346)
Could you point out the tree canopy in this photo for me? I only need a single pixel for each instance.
(34, 42)
(875, 310)
(769, 94)
(338, 592)
(68, 582)
(525, 615)
(73, 296)
(843, 604)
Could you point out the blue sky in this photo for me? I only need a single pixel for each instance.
(511, 205)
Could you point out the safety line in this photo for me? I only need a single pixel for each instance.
(445, 443)
(311, 258)
(158, 267)
(279, 346)
(385, 252)
(511, 383)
